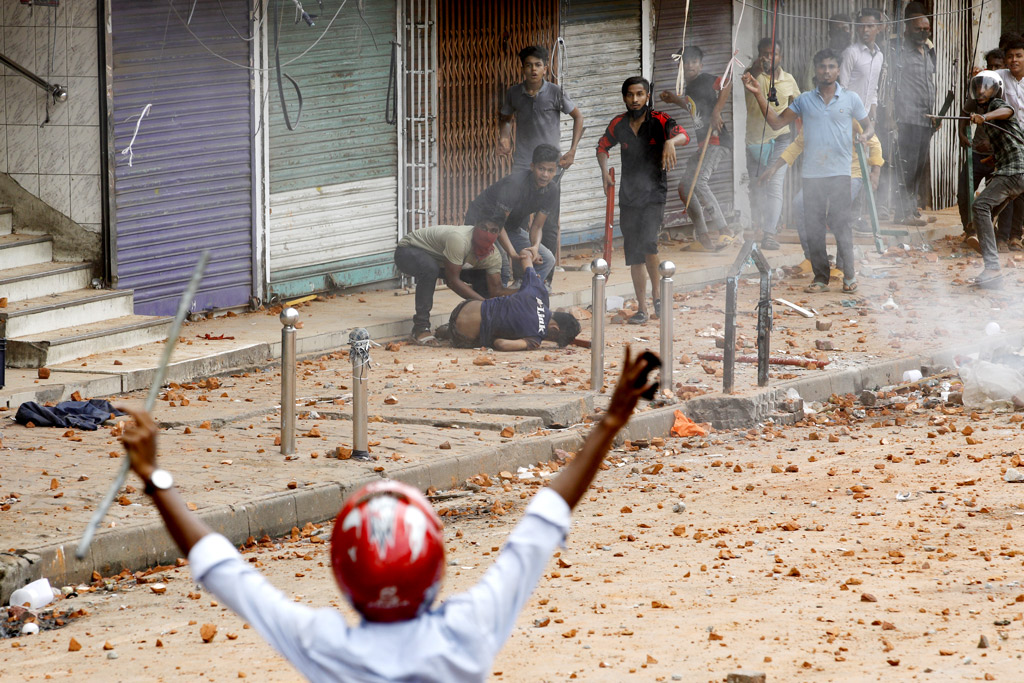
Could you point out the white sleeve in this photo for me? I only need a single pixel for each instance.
(217, 565)
(846, 67)
(494, 603)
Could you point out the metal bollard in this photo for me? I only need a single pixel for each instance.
(288, 317)
(600, 269)
(667, 269)
(359, 352)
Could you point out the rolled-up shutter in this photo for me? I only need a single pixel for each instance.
(603, 44)
(334, 180)
(189, 186)
(710, 29)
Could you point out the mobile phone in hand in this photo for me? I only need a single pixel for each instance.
(652, 363)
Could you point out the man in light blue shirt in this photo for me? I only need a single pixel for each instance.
(828, 112)
(403, 636)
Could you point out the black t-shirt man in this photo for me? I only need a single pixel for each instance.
(701, 98)
(643, 181)
(516, 195)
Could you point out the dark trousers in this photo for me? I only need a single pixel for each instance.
(419, 264)
(913, 151)
(1000, 191)
(827, 205)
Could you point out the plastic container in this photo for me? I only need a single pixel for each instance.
(614, 303)
(37, 594)
(911, 375)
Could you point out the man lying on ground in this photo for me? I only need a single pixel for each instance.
(464, 255)
(388, 558)
(517, 322)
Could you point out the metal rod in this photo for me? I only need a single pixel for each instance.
(184, 305)
(359, 352)
(869, 192)
(667, 269)
(599, 267)
(764, 327)
(729, 352)
(970, 175)
(58, 92)
(289, 317)
(609, 218)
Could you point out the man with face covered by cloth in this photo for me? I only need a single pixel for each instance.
(463, 255)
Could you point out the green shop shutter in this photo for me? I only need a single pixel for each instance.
(333, 180)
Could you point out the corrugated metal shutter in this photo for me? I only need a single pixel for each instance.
(190, 184)
(603, 42)
(333, 180)
(953, 46)
(710, 29)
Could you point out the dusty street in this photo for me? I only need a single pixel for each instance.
(793, 556)
(864, 543)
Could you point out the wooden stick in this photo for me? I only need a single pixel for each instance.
(154, 390)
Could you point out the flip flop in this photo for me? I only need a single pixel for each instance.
(816, 287)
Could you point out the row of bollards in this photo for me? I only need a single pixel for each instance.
(599, 267)
(359, 352)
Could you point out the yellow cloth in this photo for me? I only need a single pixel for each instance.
(786, 89)
(790, 154)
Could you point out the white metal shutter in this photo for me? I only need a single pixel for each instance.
(710, 29)
(603, 43)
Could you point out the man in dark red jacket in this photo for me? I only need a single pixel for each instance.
(648, 142)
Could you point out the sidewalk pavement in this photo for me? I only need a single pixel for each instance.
(221, 448)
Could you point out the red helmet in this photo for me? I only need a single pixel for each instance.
(387, 551)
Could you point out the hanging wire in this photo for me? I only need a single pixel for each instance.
(128, 150)
(281, 75)
(969, 8)
(246, 66)
(391, 99)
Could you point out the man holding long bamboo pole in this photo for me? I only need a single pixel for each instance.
(704, 99)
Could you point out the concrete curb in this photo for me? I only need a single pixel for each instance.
(149, 544)
(261, 354)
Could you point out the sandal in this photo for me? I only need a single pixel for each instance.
(638, 318)
(424, 338)
(657, 307)
(816, 287)
(850, 287)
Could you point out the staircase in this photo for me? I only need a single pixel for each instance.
(53, 314)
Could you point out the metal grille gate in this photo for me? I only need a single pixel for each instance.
(419, 40)
(477, 47)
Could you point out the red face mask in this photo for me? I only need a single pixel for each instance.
(483, 242)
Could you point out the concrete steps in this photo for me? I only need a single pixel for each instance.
(52, 314)
(70, 343)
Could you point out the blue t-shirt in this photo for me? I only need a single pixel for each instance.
(828, 129)
(523, 315)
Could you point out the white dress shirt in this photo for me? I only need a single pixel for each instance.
(455, 641)
(1013, 94)
(860, 70)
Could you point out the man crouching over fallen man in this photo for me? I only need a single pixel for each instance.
(516, 322)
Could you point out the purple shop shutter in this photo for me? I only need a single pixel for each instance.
(189, 186)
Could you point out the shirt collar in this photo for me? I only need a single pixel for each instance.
(864, 48)
(839, 90)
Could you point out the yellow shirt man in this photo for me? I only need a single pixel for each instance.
(758, 132)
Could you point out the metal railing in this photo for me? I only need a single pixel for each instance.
(59, 93)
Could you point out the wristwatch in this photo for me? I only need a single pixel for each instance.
(159, 480)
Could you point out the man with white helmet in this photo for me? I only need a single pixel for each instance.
(387, 554)
(1007, 181)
